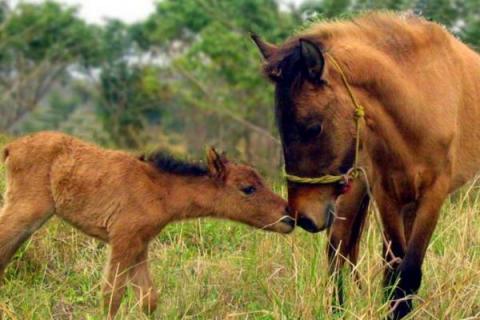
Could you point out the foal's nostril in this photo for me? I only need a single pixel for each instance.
(288, 220)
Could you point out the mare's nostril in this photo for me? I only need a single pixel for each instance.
(307, 224)
(288, 211)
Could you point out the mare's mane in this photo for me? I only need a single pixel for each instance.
(398, 34)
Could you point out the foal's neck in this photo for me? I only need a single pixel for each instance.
(192, 197)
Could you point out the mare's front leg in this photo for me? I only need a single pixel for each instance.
(345, 234)
(409, 272)
(394, 242)
(126, 249)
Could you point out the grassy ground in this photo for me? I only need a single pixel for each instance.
(217, 270)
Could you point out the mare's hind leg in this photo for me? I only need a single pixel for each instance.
(18, 220)
(143, 285)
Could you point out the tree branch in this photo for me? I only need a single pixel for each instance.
(223, 112)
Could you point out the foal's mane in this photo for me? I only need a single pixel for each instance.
(166, 162)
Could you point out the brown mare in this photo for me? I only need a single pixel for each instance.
(420, 136)
(125, 201)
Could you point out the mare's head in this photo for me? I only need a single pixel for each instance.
(243, 195)
(315, 119)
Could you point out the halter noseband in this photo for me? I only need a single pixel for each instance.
(359, 113)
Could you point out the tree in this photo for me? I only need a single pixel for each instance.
(207, 46)
(470, 23)
(130, 92)
(38, 43)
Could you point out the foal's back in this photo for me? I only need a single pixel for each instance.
(78, 181)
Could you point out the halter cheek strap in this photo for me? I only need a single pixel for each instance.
(355, 171)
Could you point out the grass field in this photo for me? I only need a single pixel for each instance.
(219, 270)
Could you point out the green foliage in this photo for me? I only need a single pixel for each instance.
(174, 20)
(129, 97)
(37, 44)
(442, 11)
(58, 108)
(188, 70)
(48, 31)
(470, 30)
(117, 42)
(327, 9)
(217, 68)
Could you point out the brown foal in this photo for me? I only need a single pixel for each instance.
(125, 201)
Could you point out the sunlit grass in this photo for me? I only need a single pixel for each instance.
(211, 269)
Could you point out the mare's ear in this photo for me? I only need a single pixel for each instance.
(312, 59)
(217, 163)
(266, 49)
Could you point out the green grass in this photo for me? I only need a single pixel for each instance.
(209, 269)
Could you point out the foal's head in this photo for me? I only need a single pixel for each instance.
(243, 196)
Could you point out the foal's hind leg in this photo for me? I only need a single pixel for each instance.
(143, 285)
(18, 220)
(28, 204)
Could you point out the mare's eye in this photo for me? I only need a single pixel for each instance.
(312, 131)
(249, 190)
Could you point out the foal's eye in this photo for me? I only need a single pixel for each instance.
(249, 190)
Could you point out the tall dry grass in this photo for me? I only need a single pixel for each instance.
(219, 270)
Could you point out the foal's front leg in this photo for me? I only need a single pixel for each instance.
(125, 253)
(143, 285)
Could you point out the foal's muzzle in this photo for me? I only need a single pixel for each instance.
(289, 221)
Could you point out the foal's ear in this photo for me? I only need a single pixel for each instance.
(312, 59)
(216, 163)
(266, 49)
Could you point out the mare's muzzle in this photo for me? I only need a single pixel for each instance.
(308, 224)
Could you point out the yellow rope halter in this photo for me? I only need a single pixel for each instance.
(359, 113)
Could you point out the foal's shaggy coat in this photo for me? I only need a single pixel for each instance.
(123, 200)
